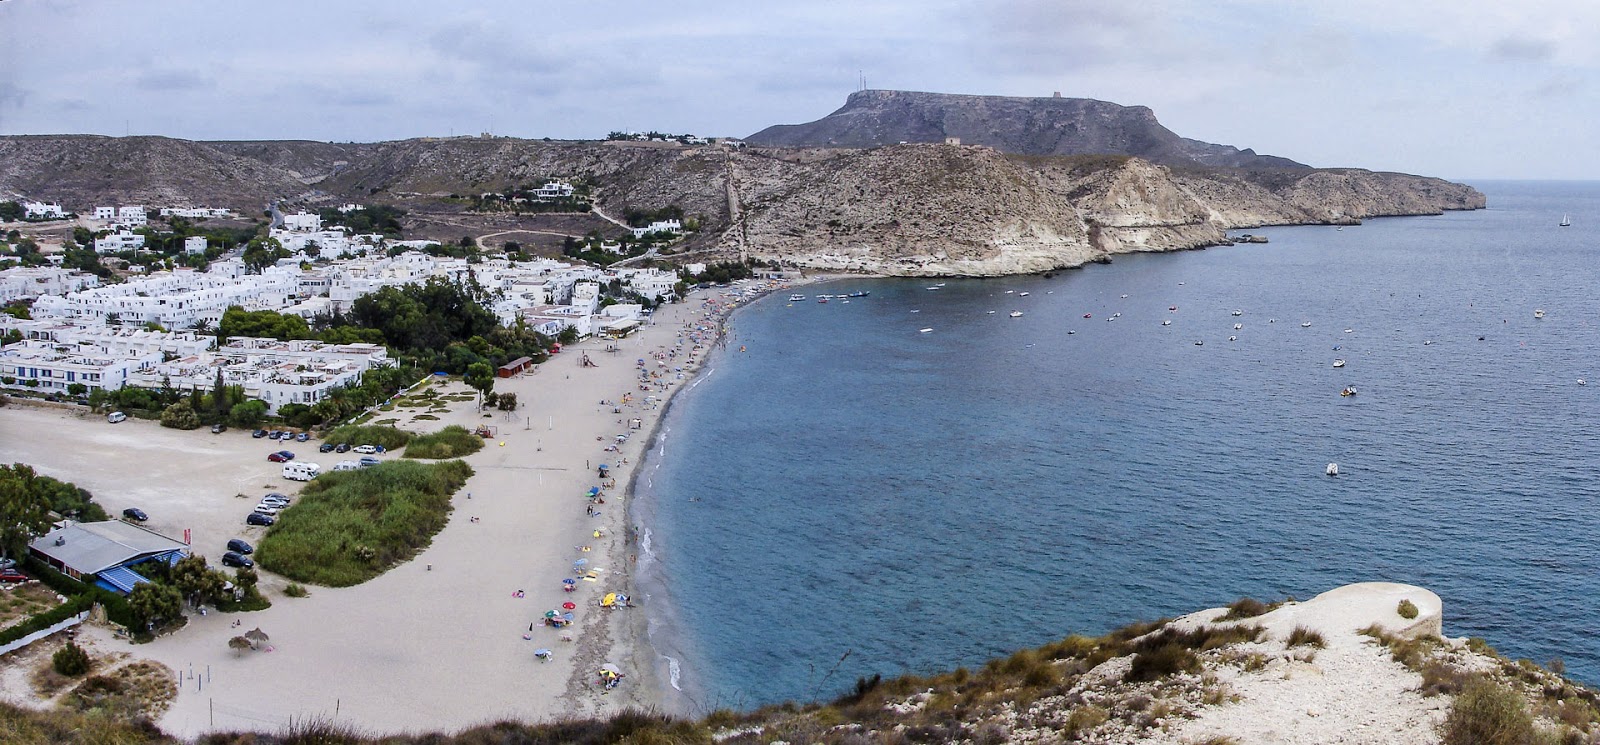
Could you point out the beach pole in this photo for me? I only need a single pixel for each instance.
(211, 704)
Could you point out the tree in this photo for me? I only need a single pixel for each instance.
(568, 335)
(70, 660)
(11, 211)
(219, 396)
(77, 389)
(246, 414)
(480, 376)
(24, 515)
(196, 581)
(507, 402)
(151, 602)
(180, 415)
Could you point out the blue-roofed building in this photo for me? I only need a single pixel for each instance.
(101, 553)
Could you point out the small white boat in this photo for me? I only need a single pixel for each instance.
(934, 287)
(1339, 228)
(1071, 332)
(1333, 469)
(1238, 326)
(1109, 319)
(1566, 221)
(1199, 343)
(796, 298)
(1022, 294)
(1338, 363)
(1124, 297)
(1166, 323)
(1349, 390)
(1116, 315)
(1538, 312)
(1581, 381)
(924, 331)
(1349, 331)
(1008, 292)
(916, 311)
(1233, 338)
(991, 312)
(1238, 312)
(1015, 314)
(1305, 325)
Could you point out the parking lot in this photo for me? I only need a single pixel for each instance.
(197, 481)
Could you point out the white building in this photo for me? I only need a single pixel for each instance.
(302, 221)
(275, 372)
(27, 283)
(552, 190)
(194, 244)
(175, 300)
(195, 213)
(43, 211)
(131, 217)
(120, 241)
(105, 213)
(659, 226)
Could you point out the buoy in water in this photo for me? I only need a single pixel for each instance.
(1333, 469)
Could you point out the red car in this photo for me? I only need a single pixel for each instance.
(12, 575)
(282, 456)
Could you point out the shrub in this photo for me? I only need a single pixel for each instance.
(1160, 662)
(1486, 713)
(1085, 718)
(1245, 608)
(355, 434)
(295, 590)
(1407, 609)
(453, 441)
(180, 416)
(1307, 637)
(351, 526)
(70, 660)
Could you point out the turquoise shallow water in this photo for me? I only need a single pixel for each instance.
(849, 496)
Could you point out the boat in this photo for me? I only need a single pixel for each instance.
(1338, 363)
(822, 298)
(1088, 315)
(1233, 338)
(796, 298)
(1349, 390)
(935, 287)
(1071, 332)
(1109, 319)
(861, 293)
(924, 331)
(1022, 294)
(1581, 381)
(1008, 292)
(1566, 221)
(1238, 312)
(1172, 308)
(1199, 343)
(991, 312)
(1238, 326)
(1116, 315)
(1015, 314)
(1333, 469)
(1349, 331)
(1124, 297)
(1166, 322)
(1339, 228)
(1538, 313)
(1305, 325)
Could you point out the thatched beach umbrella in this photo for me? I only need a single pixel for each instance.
(256, 635)
(239, 643)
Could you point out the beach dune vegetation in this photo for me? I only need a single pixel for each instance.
(356, 434)
(453, 441)
(350, 526)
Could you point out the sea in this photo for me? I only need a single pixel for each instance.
(915, 480)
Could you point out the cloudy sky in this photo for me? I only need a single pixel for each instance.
(1455, 88)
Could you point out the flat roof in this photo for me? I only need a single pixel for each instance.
(91, 548)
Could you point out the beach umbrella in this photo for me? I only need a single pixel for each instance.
(569, 605)
(551, 613)
(239, 644)
(542, 653)
(569, 581)
(611, 667)
(580, 562)
(609, 600)
(256, 635)
(566, 616)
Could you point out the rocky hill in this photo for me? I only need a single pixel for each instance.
(914, 209)
(1025, 126)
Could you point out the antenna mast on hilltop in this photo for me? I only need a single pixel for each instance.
(863, 83)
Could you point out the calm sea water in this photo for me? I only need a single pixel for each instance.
(849, 496)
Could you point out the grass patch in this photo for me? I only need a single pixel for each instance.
(352, 434)
(1413, 653)
(426, 417)
(296, 590)
(1407, 609)
(1302, 636)
(350, 526)
(453, 441)
(1245, 608)
(1488, 713)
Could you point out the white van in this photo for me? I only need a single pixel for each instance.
(116, 416)
(301, 471)
(347, 465)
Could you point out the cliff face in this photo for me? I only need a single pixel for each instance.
(1025, 126)
(917, 209)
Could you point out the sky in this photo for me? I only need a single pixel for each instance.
(1463, 89)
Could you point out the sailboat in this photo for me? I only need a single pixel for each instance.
(1566, 221)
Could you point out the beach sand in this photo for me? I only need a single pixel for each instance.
(442, 642)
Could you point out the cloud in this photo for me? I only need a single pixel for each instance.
(1514, 49)
(165, 80)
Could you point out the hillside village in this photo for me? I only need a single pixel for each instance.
(81, 332)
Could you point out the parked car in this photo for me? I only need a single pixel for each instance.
(238, 544)
(275, 499)
(367, 449)
(232, 559)
(282, 456)
(326, 447)
(346, 465)
(367, 460)
(256, 518)
(8, 563)
(218, 428)
(302, 437)
(266, 509)
(12, 575)
(343, 447)
(116, 416)
(134, 513)
(258, 434)
(275, 495)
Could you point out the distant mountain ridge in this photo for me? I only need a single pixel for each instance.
(1010, 124)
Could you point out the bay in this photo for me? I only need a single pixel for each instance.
(841, 494)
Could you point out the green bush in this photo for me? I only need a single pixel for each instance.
(453, 441)
(1304, 636)
(1168, 659)
(1486, 713)
(356, 434)
(1407, 609)
(1245, 608)
(70, 660)
(295, 590)
(351, 526)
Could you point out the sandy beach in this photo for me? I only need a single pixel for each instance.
(447, 640)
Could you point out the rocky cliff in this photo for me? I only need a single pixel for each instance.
(915, 209)
(1025, 126)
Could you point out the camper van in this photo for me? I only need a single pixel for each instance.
(301, 471)
(116, 416)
